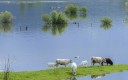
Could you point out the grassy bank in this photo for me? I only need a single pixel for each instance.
(64, 73)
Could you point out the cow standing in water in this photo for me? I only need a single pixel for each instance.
(99, 60)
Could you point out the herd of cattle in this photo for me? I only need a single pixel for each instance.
(65, 62)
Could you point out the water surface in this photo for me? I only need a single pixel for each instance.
(33, 48)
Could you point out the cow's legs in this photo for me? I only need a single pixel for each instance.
(101, 63)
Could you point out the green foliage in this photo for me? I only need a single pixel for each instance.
(54, 29)
(6, 17)
(106, 26)
(56, 22)
(46, 18)
(71, 9)
(83, 16)
(106, 21)
(55, 18)
(5, 27)
(83, 10)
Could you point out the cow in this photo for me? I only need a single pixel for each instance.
(63, 62)
(84, 63)
(109, 61)
(99, 60)
(74, 68)
(52, 64)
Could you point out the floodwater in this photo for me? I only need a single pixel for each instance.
(112, 76)
(30, 45)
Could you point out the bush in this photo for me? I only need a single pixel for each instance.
(83, 10)
(106, 21)
(6, 17)
(71, 9)
(55, 18)
(56, 22)
(46, 18)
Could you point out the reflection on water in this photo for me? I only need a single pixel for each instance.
(54, 29)
(97, 76)
(22, 7)
(126, 6)
(71, 78)
(72, 16)
(5, 27)
(83, 16)
(106, 27)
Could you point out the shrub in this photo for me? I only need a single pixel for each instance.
(83, 10)
(46, 18)
(55, 18)
(71, 9)
(106, 21)
(6, 17)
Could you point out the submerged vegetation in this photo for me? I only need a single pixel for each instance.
(71, 9)
(6, 17)
(55, 18)
(5, 21)
(56, 22)
(5, 27)
(106, 23)
(54, 29)
(65, 73)
(83, 10)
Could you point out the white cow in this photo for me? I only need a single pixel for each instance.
(74, 68)
(84, 63)
(63, 61)
(99, 60)
(52, 64)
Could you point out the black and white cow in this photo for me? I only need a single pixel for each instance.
(99, 60)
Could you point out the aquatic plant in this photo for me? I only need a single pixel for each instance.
(71, 9)
(106, 23)
(83, 10)
(5, 27)
(46, 18)
(54, 29)
(6, 17)
(55, 18)
(56, 22)
(106, 26)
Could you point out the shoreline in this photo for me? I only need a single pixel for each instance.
(65, 73)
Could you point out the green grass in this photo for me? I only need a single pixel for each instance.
(64, 73)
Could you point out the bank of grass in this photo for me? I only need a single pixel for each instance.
(65, 73)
